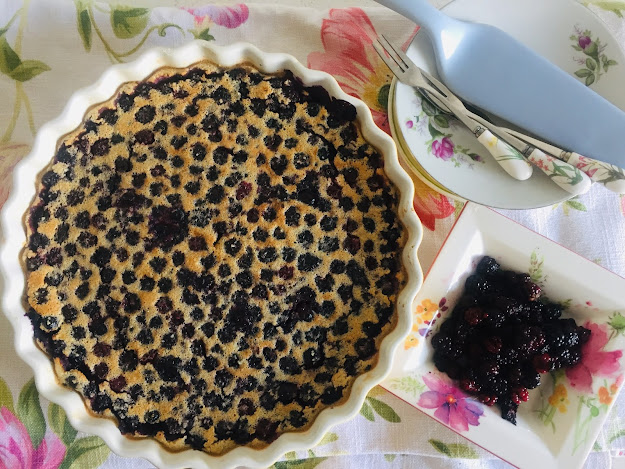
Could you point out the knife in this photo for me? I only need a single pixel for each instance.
(565, 175)
(490, 69)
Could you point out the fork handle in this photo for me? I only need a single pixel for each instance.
(567, 176)
(511, 161)
(612, 177)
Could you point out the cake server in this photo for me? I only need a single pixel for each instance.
(490, 69)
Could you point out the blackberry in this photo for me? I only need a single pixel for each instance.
(543, 363)
(508, 410)
(477, 285)
(551, 312)
(446, 346)
(568, 357)
(487, 266)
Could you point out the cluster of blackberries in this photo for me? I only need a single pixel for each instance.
(501, 336)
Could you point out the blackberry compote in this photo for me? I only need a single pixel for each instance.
(502, 335)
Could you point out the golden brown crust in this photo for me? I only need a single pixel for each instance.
(214, 256)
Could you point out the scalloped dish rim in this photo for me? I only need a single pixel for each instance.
(12, 277)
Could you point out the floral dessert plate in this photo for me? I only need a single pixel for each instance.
(558, 425)
(563, 31)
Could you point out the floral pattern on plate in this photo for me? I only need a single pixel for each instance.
(453, 407)
(592, 56)
(431, 120)
(424, 315)
(582, 385)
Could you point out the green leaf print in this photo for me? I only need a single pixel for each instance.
(615, 6)
(9, 59)
(329, 437)
(440, 447)
(203, 34)
(89, 452)
(429, 109)
(589, 80)
(583, 73)
(576, 205)
(383, 96)
(617, 323)
(454, 450)
(8, 25)
(441, 121)
(592, 49)
(434, 132)
(536, 267)
(571, 204)
(28, 69)
(390, 457)
(409, 384)
(6, 398)
(11, 65)
(308, 463)
(29, 412)
(367, 412)
(384, 410)
(60, 425)
(459, 450)
(609, 63)
(84, 24)
(591, 64)
(616, 435)
(129, 22)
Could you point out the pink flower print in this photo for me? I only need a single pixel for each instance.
(595, 361)
(582, 165)
(430, 205)
(229, 17)
(584, 41)
(347, 36)
(16, 448)
(410, 124)
(453, 407)
(539, 163)
(443, 149)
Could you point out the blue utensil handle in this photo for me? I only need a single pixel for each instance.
(421, 12)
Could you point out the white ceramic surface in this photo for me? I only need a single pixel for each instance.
(13, 239)
(449, 154)
(558, 436)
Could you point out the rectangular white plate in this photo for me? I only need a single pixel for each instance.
(558, 425)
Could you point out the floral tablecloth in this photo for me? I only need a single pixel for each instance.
(50, 48)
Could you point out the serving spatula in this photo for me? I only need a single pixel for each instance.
(490, 69)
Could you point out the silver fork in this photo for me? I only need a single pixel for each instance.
(407, 72)
(507, 153)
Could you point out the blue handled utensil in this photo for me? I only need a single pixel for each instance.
(490, 69)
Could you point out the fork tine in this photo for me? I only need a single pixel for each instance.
(408, 63)
(400, 53)
(437, 83)
(389, 60)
